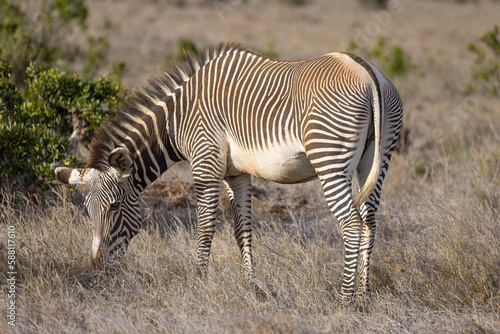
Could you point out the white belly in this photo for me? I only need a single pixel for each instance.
(283, 164)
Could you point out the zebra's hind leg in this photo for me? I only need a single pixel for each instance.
(367, 241)
(337, 190)
(351, 227)
(367, 209)
(335, 160)
(240, 193)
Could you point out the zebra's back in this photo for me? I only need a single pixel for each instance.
(264, 108)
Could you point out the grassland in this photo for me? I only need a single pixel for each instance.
(436, 262)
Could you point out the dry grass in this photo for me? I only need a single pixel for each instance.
(436, 265)
(436, 269)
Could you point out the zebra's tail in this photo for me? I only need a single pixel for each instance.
(371, 180)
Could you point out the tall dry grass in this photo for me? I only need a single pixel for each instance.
(436, 265)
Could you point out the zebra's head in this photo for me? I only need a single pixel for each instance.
(112, 203)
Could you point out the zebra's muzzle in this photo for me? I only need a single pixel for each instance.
(97, 254)
(97, 259)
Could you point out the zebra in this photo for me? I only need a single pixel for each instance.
(232, 113)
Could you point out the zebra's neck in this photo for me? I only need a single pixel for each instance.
(143, 128)
(147, 124)
(157, 151)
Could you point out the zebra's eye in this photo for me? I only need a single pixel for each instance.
(115, 206)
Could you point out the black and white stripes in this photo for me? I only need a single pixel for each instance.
(233, 113)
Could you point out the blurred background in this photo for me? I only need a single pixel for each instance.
(443, 57)
(143, 34)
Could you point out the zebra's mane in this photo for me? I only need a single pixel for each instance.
(158, 87)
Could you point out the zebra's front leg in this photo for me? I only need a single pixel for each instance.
(207, 193)
(240, 193)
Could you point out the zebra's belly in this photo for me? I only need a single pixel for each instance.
(283, 164)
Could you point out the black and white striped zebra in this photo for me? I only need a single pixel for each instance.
(233, 113)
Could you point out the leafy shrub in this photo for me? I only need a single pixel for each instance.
(375, 3)
(269, 51)
(293, 2)
(97, 54)
(485, 70)
(184, 47)
(36, 102)
(38, 33)
(52, 95)
(34, 128)
(25, 38)
(394, 59)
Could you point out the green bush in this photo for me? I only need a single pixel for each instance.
(184, 47)
(39, 33)
(269, 51)
(35, 125)
(394, 59)
(375, 3)
(293, 2)
(52, 95)
(36, 103)
(485, 69)
(37, 37)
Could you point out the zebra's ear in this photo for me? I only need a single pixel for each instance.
(121, 160)
(73, 175)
